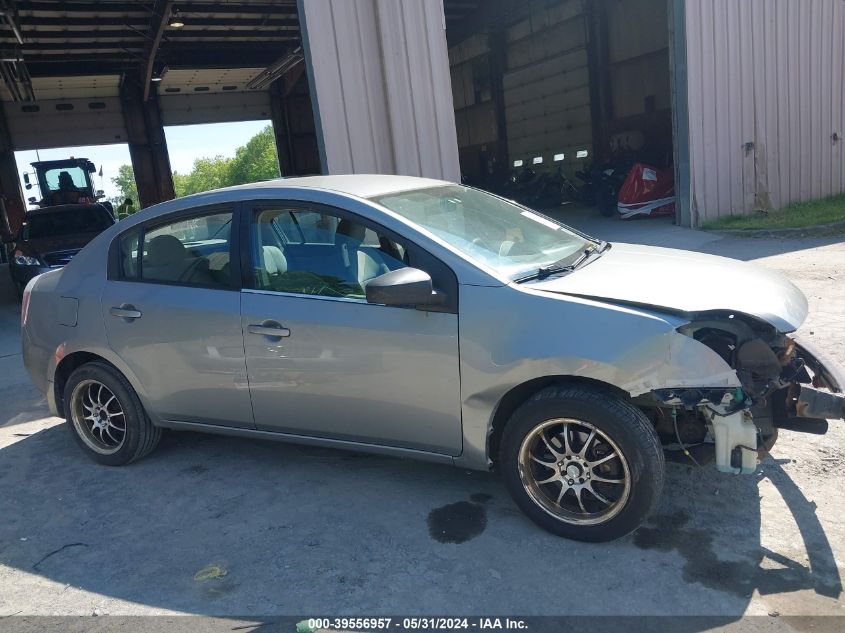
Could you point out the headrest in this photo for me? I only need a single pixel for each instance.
(275, 262)
(165, 250)
(351, 230)
(65, 180)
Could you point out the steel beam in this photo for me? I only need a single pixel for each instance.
(147, 143)
(120, 8)
(158, 22)
(140, 21)
(293, 125)
(498, 45)
(12, 205)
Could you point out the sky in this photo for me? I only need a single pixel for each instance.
(185, 143)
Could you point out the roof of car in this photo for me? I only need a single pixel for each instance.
(359, 185)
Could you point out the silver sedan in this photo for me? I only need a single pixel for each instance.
(426, 319)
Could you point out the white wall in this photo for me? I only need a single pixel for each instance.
(380, 84)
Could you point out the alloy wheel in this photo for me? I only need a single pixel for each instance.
(574, 472)
(98, 417)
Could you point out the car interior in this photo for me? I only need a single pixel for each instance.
(312, 253)
(192, 252)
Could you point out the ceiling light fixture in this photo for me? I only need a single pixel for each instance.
(175, 20)
(157, 77)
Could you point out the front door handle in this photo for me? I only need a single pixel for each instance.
(125, 311)
(270, 329)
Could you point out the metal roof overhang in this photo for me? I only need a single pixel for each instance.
(62, 62)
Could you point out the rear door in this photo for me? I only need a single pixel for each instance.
(172, 312)
(322, 361)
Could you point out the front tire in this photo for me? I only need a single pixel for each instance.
(105, 416)
(582, 463)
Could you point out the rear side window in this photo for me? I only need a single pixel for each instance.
(193, 251)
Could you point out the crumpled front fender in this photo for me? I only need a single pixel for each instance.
(688, 364)
(546, 336)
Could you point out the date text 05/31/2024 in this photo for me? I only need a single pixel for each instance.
(415, 623)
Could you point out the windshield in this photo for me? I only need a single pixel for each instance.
(66, 223)
(75, 178)
(500, 234)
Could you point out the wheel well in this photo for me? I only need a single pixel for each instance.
(514, 398)
(66, 367)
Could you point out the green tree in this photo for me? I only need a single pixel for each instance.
(254, 161)
(257, 160)
(207, 173)
(125, 183)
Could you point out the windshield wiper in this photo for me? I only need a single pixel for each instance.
(557, 268)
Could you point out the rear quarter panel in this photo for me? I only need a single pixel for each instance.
(51, 336)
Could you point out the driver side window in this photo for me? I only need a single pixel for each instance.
(311, 252)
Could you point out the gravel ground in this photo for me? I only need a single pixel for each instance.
(210, 525)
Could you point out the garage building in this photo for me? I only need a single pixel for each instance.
(745, 101)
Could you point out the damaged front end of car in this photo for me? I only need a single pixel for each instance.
(785, 384)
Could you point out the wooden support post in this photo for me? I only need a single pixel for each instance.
(147, 143)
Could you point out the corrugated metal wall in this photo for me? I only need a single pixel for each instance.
(379, 75)
(766, 103)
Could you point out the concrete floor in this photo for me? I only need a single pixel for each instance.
(294, 530)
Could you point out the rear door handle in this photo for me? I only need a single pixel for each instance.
(270, 329)
(125, 312)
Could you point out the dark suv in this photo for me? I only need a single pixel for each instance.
(50, 237)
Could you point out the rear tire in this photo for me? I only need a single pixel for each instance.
(106, 417)
(582, 463)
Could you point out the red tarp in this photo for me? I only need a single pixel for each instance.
(647, 192)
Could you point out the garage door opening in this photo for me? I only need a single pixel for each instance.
(213, 155)
(106, 178)
(564, 89)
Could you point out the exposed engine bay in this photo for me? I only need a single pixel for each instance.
(785, 385)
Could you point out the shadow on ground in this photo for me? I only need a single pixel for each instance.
(214, 525)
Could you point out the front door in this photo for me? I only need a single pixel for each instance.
(172, 313)
(321, 360)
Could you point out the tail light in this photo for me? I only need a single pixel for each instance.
(25, 302)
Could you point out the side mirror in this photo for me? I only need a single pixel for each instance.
(403, 287)
(26, 180)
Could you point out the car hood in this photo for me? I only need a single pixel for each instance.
(685, 282)
(46, 245)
